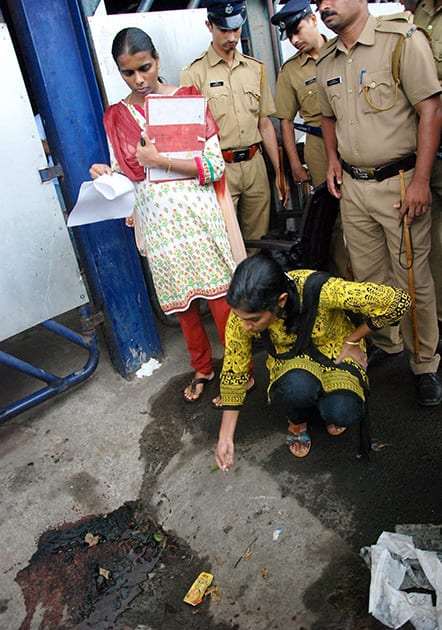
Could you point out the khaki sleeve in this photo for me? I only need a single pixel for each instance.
(417, 61)
(286, 101)
(267, 105)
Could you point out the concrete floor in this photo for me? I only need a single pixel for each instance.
(109, 441)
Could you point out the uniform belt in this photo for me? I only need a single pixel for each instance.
(379, 173)
(240, 155)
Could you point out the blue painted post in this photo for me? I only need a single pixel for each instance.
(55, 52)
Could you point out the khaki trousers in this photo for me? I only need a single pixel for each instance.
(436, 233)
(377, 253)
(249, 186)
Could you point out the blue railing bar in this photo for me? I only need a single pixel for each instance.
(28, 368)
(59, 329)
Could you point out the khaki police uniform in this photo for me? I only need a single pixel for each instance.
(375, 125)
(431, 19)
(238, 96)
(297, 91)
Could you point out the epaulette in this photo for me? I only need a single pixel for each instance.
(328, 48)
(403, 16)
(400, 26)
(390, 24)
(201, 56)
(252, 58)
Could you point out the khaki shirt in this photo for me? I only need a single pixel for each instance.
(356, 85)
(431, 19)
(297, 90)
(238, 95)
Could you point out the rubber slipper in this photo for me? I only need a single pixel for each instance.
(298, 437)
(197, 381)
(217, 404)
(335, 430)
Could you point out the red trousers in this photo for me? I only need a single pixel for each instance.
(197, 341)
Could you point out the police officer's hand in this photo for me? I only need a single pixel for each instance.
(334, 178)
(300, 174)
(417, 201)
(282, 188)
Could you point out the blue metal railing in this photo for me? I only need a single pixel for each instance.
(54, 384)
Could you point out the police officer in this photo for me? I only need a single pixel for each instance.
(297, 91)
(369, 104)
(428, 14)
(240, 100)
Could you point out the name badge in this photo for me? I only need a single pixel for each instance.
(216, 83)
(334, 81)
(310, 81)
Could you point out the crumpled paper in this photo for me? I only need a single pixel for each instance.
(396, 565)
(146, 369)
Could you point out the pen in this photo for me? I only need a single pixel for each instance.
(361, 75)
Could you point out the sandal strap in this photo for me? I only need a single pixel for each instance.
(199, 381)
(296, 438)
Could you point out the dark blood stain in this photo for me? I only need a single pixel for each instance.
(63, 577)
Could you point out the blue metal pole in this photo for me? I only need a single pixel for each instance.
(55, 52)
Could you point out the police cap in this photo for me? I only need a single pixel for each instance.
(226, 15)
(288, 18)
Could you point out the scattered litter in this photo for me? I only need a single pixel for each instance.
(146, 369)
(397, 569)
(277, 533)
(195, 594)
(212, 591)
(104, 573)
(376, 445)
(247, 553)
(264, 572)
(91, 540)
(214, 468)
(219, 560)
(158, 537)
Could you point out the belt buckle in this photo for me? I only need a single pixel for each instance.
(364, 173)
(241, 155)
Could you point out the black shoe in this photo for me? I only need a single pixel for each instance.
(429, 389)
(377, 356)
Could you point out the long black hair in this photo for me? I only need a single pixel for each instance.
(131, 41)
(258, 283)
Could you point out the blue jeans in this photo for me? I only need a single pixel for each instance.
(300, 392)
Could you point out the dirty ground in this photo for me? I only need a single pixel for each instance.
(281, 536)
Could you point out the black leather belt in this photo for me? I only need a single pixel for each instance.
(240, 155)
(379, 173)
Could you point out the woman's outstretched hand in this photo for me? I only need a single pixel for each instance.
(224, 454)
(96, 170)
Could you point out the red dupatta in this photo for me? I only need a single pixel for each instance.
(124, 134)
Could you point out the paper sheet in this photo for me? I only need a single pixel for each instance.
(394, 561)
(104, 198)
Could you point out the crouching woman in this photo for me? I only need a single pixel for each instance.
(316, 354)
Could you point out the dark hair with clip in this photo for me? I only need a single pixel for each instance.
(130, 41)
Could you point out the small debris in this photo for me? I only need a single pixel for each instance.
(195, 594)
(91, 540)
(214, 469)
(377, 446)
(212, 591)
(218, 559)
(247, 553)
(277, 533)
(264, 572)
(104, 573)
(158, 537)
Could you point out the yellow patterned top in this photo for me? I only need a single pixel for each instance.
(380, 306)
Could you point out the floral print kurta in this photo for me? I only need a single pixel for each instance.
(180, 228)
